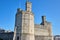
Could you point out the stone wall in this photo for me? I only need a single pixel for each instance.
(7, 36)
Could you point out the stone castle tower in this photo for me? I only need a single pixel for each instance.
(24, 24)
(25, 29)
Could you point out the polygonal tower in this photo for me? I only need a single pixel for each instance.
(24, 24)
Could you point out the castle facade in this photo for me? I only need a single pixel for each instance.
(25, 29)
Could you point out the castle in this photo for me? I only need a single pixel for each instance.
(25, 29)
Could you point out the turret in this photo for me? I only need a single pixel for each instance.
(28, 6)
(18, 10)
(43, 20)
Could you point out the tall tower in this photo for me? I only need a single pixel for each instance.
(24, 24)
(28, 6)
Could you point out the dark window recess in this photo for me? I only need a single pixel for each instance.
(17, 38)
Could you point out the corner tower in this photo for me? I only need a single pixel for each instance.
(24, 24)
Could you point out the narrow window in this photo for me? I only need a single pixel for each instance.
(17, 38)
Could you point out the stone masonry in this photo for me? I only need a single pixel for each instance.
(25, 29)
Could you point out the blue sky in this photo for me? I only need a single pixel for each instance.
(50, 8)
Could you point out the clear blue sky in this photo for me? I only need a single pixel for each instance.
(50, 8)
